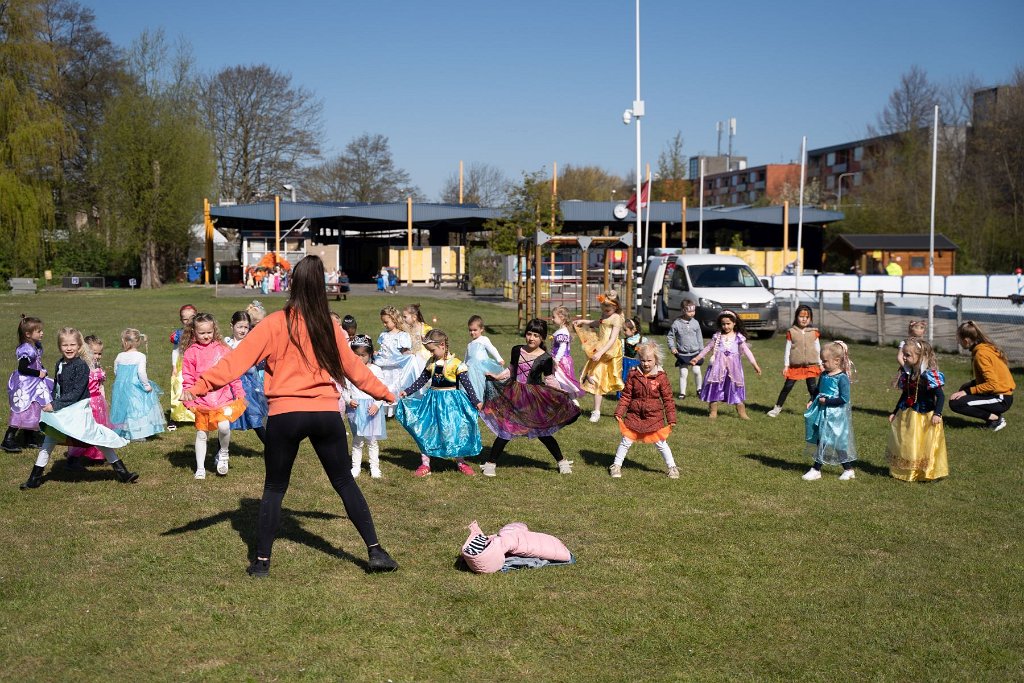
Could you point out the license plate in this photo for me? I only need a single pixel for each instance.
(749, 316)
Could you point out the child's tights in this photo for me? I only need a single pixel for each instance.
(372, 452)
(684, 373)
(49, 443)
(662, 446)
(223, 434)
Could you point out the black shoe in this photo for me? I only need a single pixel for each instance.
(996, 425)
(259, 569)
(122, 472)
(10, 443)
(380, 561)
(35, 479)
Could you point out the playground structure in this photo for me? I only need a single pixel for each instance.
(571, 287)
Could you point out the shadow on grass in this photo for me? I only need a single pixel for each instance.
(244, 521)
(86, 473)
(183, 458)
(605, 459)
(780, 464)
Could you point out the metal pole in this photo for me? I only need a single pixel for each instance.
(408, 231)
(277, 228)
(931, 234)
(683, 222)
(700, 214)
(638, 112)
(800, 216)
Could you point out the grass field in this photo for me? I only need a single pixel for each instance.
(739, 569)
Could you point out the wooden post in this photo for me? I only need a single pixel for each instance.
(460, 182)
(583, 299)
(277, 228)
(208, 224)
(683, 236)
(408, 231)
(607, 268)
(537, 288)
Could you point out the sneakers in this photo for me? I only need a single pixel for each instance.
(565, 466)
(682, 396)
(422, 471)
(812, 475)
(847, 475)
(355, 471)
(489, 469)
(375, 473)
(595, 416)
(259, 569)
(996, 425)
(466, 469)
(380, 561)
(615, 471)
(200, 474)
(774, 412)
(673, 472)
(222, 463)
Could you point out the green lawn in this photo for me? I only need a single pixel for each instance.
(739, 569)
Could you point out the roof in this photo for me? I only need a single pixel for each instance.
(882, 242)
(575, 211)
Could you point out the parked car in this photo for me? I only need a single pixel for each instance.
(714, 283)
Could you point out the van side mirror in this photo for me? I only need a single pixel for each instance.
(764, 281)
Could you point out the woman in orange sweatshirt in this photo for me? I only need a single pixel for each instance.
(305, 352)
(990, 393)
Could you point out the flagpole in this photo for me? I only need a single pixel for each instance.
(638, 112)
(931, 234)
(800, 217)
(647, 223)
(700, 214)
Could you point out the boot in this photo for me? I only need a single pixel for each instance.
(10, 443)
(37, 439)
(122, 472)
(75, 464)
(35, 480)
(380, 561)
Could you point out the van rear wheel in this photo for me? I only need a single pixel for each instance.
(765, 335)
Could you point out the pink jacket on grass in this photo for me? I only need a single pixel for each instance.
(513, 539)
(196, 360)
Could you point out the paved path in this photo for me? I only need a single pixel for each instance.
(370, 290)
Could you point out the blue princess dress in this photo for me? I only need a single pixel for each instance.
(134, 412)
(256, 408)
(443, 421)
(359, 419)
(482, 358)
(398, 370)
(829, 428)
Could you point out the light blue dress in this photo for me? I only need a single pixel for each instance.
(256, 408)
(76, 425)
(134, 412)
(481, 358)
(829, 428)
(359, 418)
(398, 370)
(443, 422)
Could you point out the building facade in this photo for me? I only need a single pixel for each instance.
(750, 185)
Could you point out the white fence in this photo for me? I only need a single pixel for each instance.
(942, 285)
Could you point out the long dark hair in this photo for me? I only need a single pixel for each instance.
(308, 301)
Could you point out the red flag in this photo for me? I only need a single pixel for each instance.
(645, 192)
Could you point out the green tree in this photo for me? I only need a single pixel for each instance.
(530, 207)
(154, 163)
(32, 137)
(588, 183)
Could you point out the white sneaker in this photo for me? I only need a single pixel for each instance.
(774, 412)
(615, 471)
(812, 475)
(595, 416)
(222, 464)
(682, 396)
(489, 469)
(355, 472)
(673, 472)
(565, 466)
(375, 473)
(847, 475)
(200, 474)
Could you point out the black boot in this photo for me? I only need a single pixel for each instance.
(122, 472)
(74, 464)
(10, 443)
(35, 480)
(36, 439)
(259, 569)
(380, 561)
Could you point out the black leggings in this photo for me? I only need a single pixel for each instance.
(326, 432)
(812, 389)
(982, 405)
(498, 447)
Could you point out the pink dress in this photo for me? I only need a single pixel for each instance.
(100, 411)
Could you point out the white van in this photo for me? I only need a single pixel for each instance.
(714, 283)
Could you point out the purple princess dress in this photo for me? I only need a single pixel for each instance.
(724, 379)
(565, 369)
(28, 393)
(527, 404)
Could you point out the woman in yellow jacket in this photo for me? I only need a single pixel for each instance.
(990, 393)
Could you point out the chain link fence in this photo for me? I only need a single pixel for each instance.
(884, 316)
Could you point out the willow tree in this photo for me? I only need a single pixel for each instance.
(32, 135)
(154, 163)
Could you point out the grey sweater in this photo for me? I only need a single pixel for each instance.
(684, 337)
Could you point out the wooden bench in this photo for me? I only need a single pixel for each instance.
(338, 289)
(22, 285)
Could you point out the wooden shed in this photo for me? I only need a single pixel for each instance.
(872, 253)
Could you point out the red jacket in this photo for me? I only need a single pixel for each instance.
(646, 403)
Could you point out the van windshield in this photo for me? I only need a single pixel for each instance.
(722, 275)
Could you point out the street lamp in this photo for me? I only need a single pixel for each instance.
(628, 116)
(839, 182)
(290, 188)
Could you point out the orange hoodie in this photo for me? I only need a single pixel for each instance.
(991, 374)
(294, 382)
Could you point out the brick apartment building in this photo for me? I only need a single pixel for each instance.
(750, 185)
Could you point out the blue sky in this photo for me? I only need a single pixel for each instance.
(524, 83)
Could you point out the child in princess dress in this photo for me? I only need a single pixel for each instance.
(98, 401)
(28, 388)
(561, 353)
(481, 356)
(646, 411)
(255, 415)
(917, 442)
(365, 414)
(135, 411)
(394, 355)
(724, 380)
(828, 421)
(602, 373)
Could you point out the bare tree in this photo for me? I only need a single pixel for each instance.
(910, 104)
(671, 171)
(364, 172)
(264, 129)
(482, 184)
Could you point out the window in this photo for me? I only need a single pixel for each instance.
(858, 153)
(679, 280)
(917, 261)
(831, 159)
(718, 275)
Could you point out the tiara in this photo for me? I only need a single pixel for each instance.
(727, 312)
(361, 340)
